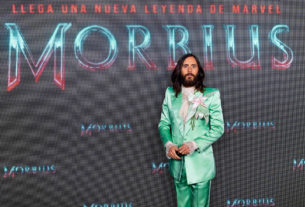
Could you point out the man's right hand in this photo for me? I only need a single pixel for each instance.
(172, 153)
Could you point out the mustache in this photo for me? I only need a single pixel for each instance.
(189, 74)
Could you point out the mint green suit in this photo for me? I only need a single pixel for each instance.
(199, 167)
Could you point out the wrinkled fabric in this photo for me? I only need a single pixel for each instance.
(194, 195)
(200, 165)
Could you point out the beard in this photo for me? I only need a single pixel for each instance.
(189, 83)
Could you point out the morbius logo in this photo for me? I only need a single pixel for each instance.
(56, 45)
(11, 172)
(159, 168)
(251, 202)
(244, 125)
(96, 129)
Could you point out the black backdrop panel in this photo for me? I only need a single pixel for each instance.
(86, 134)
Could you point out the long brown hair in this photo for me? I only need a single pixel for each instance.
(177, 78)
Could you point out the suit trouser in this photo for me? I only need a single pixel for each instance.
(193, 195)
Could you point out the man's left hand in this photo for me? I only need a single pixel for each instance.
(184, 149)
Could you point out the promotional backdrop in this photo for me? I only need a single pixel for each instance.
(82, 84)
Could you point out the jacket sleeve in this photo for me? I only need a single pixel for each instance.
(165, 122)
(216, 124)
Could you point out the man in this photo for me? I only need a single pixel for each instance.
(191, 121)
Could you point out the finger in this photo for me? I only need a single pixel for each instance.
(181, 151)
(175, 156)
(181, 148)
(184, 146)
(173, 148)
(173, 151)
(184, 150)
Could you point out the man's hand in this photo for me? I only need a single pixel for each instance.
(184, 149)
(172, 152)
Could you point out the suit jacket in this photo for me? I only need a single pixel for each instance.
(199, 166)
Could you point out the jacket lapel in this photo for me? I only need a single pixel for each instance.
(188, 125)
(177, 103)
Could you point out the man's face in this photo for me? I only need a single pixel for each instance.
(189, 72)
